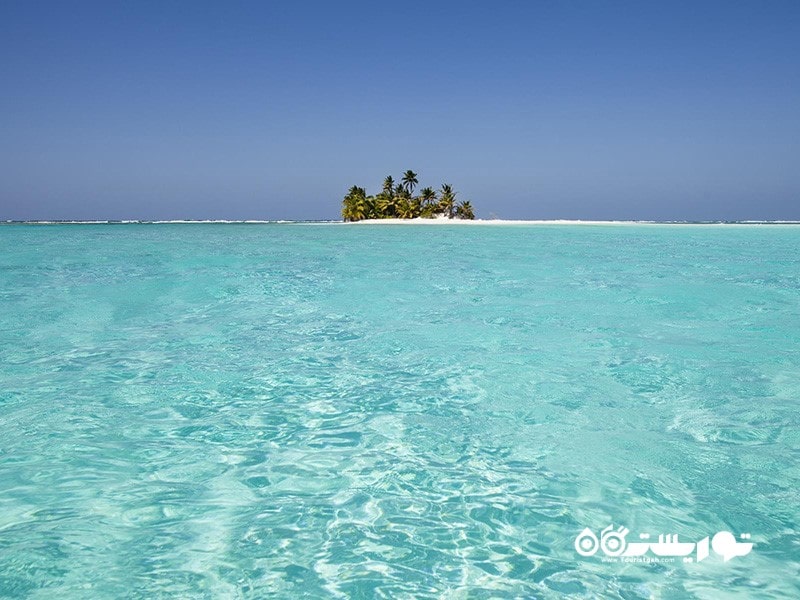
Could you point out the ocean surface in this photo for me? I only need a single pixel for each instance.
(378, 411)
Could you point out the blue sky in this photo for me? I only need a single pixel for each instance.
(593, 110)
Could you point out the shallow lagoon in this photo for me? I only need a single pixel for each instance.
(364, 411)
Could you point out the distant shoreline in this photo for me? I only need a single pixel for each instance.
(555, 222)
(361, 223)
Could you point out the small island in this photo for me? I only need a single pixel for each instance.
(397, 201)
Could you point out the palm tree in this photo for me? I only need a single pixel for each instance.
(427, 202)
(355, 205)
(359, 206)
(370, 207)
(427, 195)
(447, 200)
(348, 204)
(410, 180)
(388, 185)
(381, 205)
(406, 209)
(347, 211)
(464, 210)
(392, 205)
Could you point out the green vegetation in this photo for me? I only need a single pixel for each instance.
(397, 201)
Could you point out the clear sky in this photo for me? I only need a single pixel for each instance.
(268, 110)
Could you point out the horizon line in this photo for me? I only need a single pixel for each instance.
(394, 221)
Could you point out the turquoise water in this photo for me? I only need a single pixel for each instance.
(249, 411)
